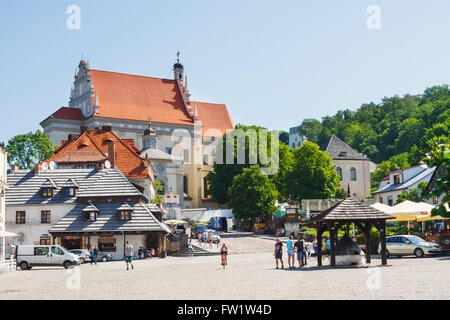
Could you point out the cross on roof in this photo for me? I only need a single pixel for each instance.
(178, 56)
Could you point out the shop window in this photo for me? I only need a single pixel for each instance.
(45, 216)
(20, 217)
(124, 215)
(45, 241)
(107, 244)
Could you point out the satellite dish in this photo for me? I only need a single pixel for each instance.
(107, 164)
(53, 165)
(45, 166)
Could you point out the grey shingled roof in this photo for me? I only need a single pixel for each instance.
(70, 183)
(125, 206)
(421, 175)
(49, 183)
(336, 147)
(90, 208)
(156, 154)
(25, 186)
(107, 220)
(351, 209)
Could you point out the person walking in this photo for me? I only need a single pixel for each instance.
(223, 254)
(129, 253)
(305, 253)
(210, 240)
(96, 253)
(291, 252)
(315, 245)
(299, 248)
(278, 252)
(191, 250)
(91, 255)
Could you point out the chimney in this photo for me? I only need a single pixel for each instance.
(83, 129)
(106, 128)
(14, 167)
(36, 168)
(112, 154)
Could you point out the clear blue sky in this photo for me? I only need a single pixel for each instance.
(273, 63)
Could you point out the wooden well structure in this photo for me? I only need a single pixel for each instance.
(350, 211)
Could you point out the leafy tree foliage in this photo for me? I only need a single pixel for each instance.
(312, 175)
(415, 195)
(439, 157)
(396, 125)
(252, 194)
(26, 150)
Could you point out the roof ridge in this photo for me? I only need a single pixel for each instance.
(133, 75)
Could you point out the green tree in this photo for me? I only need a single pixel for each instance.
(26, 150)
(415, 194)
(439, 157)
(284, 137)
(313, 175)
(285, 165)
(221, 179)
(252, 194)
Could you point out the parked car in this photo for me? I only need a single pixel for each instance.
(104, 257)
(215, 235)
(83, 254)
(28, 256)
(406, 245)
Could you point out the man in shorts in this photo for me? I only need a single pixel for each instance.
(129, 253)
(299, 248)
(278, 253)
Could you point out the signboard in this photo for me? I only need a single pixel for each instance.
(292, 214)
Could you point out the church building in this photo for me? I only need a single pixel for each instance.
(126, 102)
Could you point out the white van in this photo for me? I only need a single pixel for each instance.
(28, 256)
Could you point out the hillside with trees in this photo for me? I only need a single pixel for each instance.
(401, 127)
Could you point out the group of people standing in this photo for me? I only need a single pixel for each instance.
(297, 249)
(205, 238)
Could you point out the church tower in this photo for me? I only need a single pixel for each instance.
(178, 70)
(149, 138)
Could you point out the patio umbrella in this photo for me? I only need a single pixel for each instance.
(173, 222)
(382, 207)
(409, 208)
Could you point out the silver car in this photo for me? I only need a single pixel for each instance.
(407, 245)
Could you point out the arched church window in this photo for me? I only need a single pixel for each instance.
(353, 174)
(339, 173)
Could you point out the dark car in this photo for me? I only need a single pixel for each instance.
(104, 257)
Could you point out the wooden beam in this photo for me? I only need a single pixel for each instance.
(382, 229)
(368, 227)
(332, 228)
(319, 244)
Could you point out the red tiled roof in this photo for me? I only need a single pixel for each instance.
(214, 117)
(130, 144)
(126, 96)
(67, 113)
(93, 144)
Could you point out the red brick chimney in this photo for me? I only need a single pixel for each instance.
(83, 129)
(112, 154)
(14, 167)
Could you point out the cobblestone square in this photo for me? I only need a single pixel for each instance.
(250, 274)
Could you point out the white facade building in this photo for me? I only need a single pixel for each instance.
(295, 138)
(401, 180)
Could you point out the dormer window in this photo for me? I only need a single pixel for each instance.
(90, 213)
(343, 154)
(69, 188)
(124, 212)
(397, 179)
(47, 192)
(47, 188)
(69, 192)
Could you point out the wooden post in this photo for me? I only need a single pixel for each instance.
(332, 229)
(319, 244)
(367, 229)
(382, 230)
